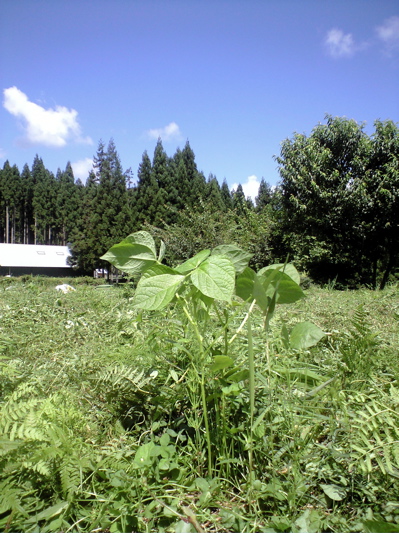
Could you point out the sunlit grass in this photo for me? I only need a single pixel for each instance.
(89, 384)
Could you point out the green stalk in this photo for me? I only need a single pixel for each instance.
(251, 396)
(194, 323)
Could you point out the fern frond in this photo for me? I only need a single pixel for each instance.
(10, 498)
(375, 439)
(123, 379)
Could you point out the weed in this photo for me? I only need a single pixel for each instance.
(103, 424)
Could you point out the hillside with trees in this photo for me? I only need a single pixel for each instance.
(334, 212)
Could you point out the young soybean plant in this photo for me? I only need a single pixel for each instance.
(195, 285)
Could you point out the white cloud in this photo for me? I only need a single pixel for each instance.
(50, 127)
(250, 188)
(340, 44)
(388, 32)
(2, 153)
(82, 168)
(168, 133)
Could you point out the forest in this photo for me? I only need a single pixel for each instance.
(334, 212)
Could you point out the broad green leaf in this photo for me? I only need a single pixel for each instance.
(249, 287)
(183, 526)
(334, 492)
(215, 277)
(155, 292)
(193, 262)
(289, 269)
(236, 375)
(305, 335)
(156, 270)
(134, 254)
(287, 290)
(199, 297)
(220, 362)
(267, 276)
(144, 238)
(202, 484)
(238, 257)
(164, 440)
(144, 453)
(309, 522)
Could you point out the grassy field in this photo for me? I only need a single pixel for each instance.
(102, 427)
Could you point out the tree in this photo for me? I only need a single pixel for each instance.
(382, 199)
(105, 215)
(196, 179)
(213, 195)
(264, 196)
(145, 193)
(226, 196)
(10, 199)
(44, 202)
(328, 201)
(239, 200)
(166, 196)
(67, 204)
(27, 214)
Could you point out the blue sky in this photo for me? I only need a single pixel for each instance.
(234, 78)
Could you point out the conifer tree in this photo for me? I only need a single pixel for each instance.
(226, 196)
(166, 197)
(106, 217)
(182, 182)
(145, 193)
(44, 194)
(213, 196)
(264, 196)
(239, 200)
(196, 180)
(67, 204)
(27, 205)
(11, 193)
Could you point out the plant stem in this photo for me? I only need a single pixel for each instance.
(243, 322)
(251, 363)
(194, 323)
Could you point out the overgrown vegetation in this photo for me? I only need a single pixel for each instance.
(203, 406)
(335, 210)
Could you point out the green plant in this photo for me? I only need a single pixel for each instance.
(196, 285)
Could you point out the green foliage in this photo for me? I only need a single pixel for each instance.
(357, 348)
(103, 404)
(196, 285)
(337, 202)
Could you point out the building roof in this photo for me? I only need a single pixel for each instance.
(34, 255)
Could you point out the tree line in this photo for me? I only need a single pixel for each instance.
(335, 211)
(38, 207)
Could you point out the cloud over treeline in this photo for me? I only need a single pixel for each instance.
(171, 132)
(48, 127)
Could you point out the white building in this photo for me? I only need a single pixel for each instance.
(19, 259)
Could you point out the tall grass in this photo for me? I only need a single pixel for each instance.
(101, 422)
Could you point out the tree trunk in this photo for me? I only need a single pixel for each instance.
(13, 226)
(374, 274)
(7, 239)
(387, 272)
